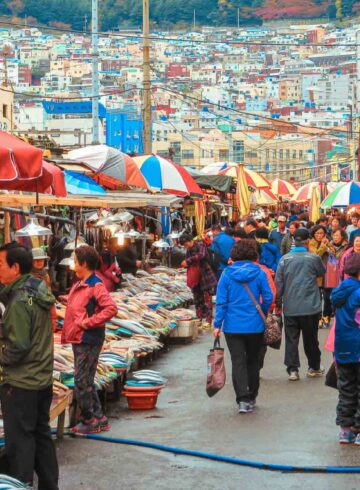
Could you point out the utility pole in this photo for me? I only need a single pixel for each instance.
(194, 20)
(85, 22)
(95, 73)
(238, 17)
(146, 78)
(356, 161)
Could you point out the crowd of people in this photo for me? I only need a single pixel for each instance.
(306, 273)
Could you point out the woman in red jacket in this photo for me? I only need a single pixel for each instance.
(89, 307)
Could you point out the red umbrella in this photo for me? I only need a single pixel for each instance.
(21, 166)
(58, 187)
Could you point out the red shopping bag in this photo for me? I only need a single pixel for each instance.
(216, 375)
(331, 279)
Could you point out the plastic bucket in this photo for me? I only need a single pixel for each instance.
(141, 400)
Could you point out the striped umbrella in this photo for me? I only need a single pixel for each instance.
(253, 179)
(263, 197)
(303, 194)
(343, 196)
(242, 192)
(216, 167)
(282, 188)
(164, 175)
(111, 167)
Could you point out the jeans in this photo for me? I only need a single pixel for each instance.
(29, 446)
(309, 326)
(86, 357)
(245, 354)
(348, 408)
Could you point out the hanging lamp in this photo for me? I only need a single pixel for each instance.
(33, 228)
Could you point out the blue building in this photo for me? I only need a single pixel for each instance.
(124, 131)
(123, 127)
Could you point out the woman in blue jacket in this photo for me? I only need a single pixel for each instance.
(236, 315)
(346, 300)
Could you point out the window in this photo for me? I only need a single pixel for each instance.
(267, 154)
(281, 154)
(189, 154)
(301, 154)
(274, 154)
(287, 154)
(5, 111)
(238, 151)
(223, 155)
(175, 151)
(294, 154)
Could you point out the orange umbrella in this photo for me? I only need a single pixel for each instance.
(200, 217)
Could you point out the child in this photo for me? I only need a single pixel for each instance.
(346, 300)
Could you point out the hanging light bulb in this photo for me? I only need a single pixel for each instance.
(33, 228)
(132, 234)
(123, 217)
(75, 243)
(120, 235)
(68, 262)
(174, 235)
(161, 244)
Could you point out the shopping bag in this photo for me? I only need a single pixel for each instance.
(331, 278)
(331, 377)
(273, 323)
(273, 331)
(193, 275)
(216, 375)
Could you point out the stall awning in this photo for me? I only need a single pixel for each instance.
(19, 200)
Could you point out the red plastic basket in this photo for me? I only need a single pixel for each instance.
(141, 400)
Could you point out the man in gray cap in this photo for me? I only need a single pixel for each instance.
(298, 293)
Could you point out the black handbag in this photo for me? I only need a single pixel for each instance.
(331, 377)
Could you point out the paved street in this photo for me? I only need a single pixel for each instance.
(293, 424)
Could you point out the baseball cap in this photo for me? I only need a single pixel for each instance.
(39, 254)
(352, 265)
(282, 218)
(301, 235)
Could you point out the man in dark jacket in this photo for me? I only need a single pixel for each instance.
(298, 292)
(26, 366)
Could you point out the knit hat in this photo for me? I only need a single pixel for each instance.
(301, 235)
(352, 265)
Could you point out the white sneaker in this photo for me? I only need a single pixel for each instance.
(294, 376)
(315, 373)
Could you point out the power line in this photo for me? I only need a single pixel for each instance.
(56, 98)
(249, 114)
(191, 43)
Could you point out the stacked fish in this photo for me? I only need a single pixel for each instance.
(146, 380)
(8, 483)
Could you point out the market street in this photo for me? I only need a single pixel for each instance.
(293, 424)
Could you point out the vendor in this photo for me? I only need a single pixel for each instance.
(127, 258)
(89, 307)
(108, 271)
(39, 269)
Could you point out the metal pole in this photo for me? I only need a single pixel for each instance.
(356, 127)
(95, 73)
(194, 23)
(238, 18)
(146, 79)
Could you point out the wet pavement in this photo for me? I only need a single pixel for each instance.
(294, 423)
